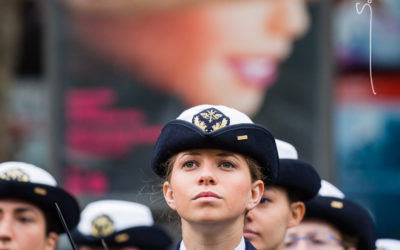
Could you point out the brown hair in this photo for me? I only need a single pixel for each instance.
(350, 242)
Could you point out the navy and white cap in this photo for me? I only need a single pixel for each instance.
(387, 244)
(219, 127)
(26, 182)
(296, 174)
(348, 217)
(120, 224)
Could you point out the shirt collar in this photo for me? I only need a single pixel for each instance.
(241, 246)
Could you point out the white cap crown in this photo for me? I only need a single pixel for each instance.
(102, 218)
(328, 189)
(213, 117)
(25, 172)
(388, 244)
(286, 150)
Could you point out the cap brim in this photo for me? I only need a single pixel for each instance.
(298, 175)
(346, 216)
(45, 197)
(247, 139)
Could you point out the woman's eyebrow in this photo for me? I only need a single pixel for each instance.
(191, 153)
(269, 188)
(24, 210)
(228, 154)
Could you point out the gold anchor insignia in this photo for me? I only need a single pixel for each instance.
(211, 118)
(211, 115)
(102, 226)
(15, 174)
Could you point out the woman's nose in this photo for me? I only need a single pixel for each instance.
(207, 176)
(5, 230)
(289, 18)
(302, 245)
(249, 216)
(207, 180)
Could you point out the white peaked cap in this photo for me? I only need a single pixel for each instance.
(235, 116)
(388, 244)
(328, 189)
(286, 150)
(33, 174)
(123, 214)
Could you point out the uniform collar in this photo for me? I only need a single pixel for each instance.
(241, 246)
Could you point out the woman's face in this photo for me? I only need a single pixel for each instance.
(208, 186)
(23, 227)
(217, 53)
(314, 235)
(266, 224)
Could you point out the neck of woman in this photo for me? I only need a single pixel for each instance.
(212, 235)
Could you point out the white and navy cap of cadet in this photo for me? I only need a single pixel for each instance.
(387, 244)
(328, 189)
(220, 127)
(286, 150)
(348, 217)
(296, 175)
(32, 184)
(119, 223)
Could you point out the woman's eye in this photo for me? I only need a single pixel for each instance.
(318, 241)
(24, 219)
(290, 241)
(189, 164)
(227, 165)
(265, 200)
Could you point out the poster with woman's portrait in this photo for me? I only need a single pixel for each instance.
(124, 68)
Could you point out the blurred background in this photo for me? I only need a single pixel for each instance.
(86, 86)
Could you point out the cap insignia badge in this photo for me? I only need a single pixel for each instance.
(102, 226)
(15, 174)
(210, 120)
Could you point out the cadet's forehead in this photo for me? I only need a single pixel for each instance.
(273, 189)
(209, 152)
(13, 204)
(313, 225)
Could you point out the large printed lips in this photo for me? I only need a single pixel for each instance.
(208, 195)
(257, 71)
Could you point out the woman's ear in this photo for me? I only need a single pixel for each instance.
(169, 195)
(51, 241)
(257, 191)
(297, 212)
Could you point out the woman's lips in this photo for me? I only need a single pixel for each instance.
(256, 71)
(206, 195)
(249, 234)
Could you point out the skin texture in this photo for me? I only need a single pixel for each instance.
(267, 223)
(222, 178)
(311, 226)
(23, 227)
(206, 53)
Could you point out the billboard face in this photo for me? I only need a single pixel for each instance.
(122, 73)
